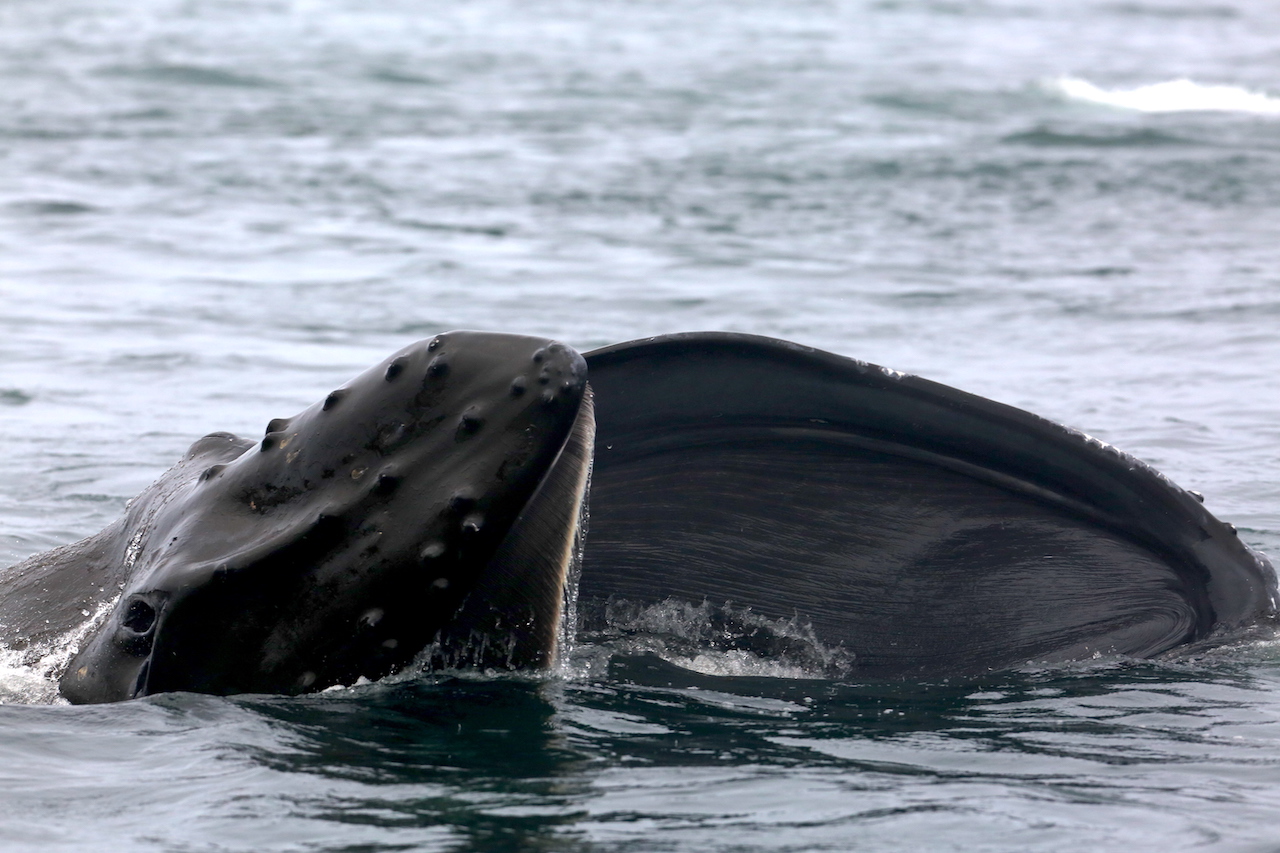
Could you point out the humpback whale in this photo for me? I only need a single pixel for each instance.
(431, 510)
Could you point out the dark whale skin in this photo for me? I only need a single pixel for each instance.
(336, 547)
(431, 504)
(924, 531)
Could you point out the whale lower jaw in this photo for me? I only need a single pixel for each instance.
(923, 531)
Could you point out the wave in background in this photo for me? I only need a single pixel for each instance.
(1171, 96)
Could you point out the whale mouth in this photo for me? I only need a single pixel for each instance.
(753, 499)
(439, 495)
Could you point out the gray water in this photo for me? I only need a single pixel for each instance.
(213, 212)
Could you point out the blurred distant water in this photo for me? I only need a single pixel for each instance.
(213, 212)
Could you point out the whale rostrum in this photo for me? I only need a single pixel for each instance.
(351, 536)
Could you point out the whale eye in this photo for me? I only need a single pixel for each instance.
(139, 616)
(136, 624)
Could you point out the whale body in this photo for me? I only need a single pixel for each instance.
(431, 510)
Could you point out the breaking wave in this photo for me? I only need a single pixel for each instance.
(1171, 96)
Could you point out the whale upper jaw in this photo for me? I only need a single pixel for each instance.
(398, 510)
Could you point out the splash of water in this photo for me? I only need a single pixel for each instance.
(30, 676)
(720, 640)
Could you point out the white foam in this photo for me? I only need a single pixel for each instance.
(705, 638)
(30, 676)
(740, 662)
(1171, 96)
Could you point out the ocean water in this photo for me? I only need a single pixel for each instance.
(214, 211)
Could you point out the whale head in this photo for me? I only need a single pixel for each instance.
(432, 503)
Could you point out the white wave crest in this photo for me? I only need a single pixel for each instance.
(1171, 96)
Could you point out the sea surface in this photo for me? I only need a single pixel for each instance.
(212, 212)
